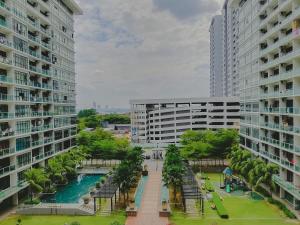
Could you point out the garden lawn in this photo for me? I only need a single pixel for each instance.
(61, 220)
(241, 209)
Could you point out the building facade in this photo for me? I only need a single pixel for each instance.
(216, 56)
(269, 43)
(224, 33)
(230, 14)
(163, 121)
(37, 88)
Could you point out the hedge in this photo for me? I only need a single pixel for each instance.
(208, 186)
(219, 206)
(281, 206)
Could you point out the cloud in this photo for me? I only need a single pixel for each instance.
(183, 9)
(127, 50)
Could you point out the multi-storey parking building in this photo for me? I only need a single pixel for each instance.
(269, 43)
(163, 121)
(37, 88)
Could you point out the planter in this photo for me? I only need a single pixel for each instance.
(86, 200)
(145, 173)
(131, 205)
(164, 205)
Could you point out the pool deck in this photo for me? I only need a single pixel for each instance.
(148, 213)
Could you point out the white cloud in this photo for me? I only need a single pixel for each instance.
(128, 49)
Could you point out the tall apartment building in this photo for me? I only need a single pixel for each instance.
(37, 88)
(230, 48)
(224, 76)
(269, 43)
(216, 56)
(162, 121)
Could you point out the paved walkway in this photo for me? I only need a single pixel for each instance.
(148, 212)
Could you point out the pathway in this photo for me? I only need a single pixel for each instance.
(148, 212)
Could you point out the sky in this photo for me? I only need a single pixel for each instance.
(135, 49)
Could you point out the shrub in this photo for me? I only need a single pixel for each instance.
(208, 186)
(34, 201)
(98, 185)
(75, 223)
(115, 223)
(281, 206)
(219, 205)
(262, 191)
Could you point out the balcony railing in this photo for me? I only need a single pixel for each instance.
(12, 190)
(277, 126)
(288, 186)
(5, 60)
(6, 115)
(281, 110)
(6, 79)
(7, 151)
(7, 170)
(33, 38)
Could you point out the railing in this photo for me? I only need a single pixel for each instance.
(6, 79)
(3, 5)
(287, 185)
(3, 23)
(34, 53)
(5, 60)
(286, 128)
(48, 140)
(14, 189)
(37, 143)
(47, 154)
(6, 115)
(282, 110)
(33, 38)
(7, 151)
(7, 170)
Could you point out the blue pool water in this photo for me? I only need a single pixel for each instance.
(77, 188)
(139, 191)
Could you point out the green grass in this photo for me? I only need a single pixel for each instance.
(241, 209)
(61, 220)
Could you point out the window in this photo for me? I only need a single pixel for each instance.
(21, 61)
(21, 78)
(19, 28)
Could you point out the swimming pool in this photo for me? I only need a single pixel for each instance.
(75, 190)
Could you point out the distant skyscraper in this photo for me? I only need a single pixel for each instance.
(216, 56)
(224, 73)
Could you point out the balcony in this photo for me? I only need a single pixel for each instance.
(7, 151)
(38, 157)
(5, 60)
(7, 170)
(276, 126)
(6, 115)
(48, 140)
(6, 79)
(6, 97)
(288, 186)
(47, 154)
(290, 147)
(33, 38)
(34, 53)
(4, 6)
(37, 143)
(12, 190)
(3, 23)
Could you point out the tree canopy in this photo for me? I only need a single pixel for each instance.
(203, 144)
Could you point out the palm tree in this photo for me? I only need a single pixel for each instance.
(36, 179)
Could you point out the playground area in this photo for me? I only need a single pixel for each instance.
(242, 207)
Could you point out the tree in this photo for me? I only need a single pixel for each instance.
(196, 150)
(86, 113)
(173, 169)
(36, 179)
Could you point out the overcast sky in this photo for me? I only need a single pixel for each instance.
(130, 49)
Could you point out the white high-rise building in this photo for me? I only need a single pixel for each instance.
(230, 48)
(37, 88)
(216, 56)
(224, 76)
(269, 65)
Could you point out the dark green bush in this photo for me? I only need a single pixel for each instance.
(75, 223)
(262, 191)
(281, 206)
(208, 186)
(34, 201)
(219, 205)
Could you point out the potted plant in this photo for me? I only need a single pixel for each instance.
(98, 185)
(131, 204)
(145, 171)
(86, 200)
(164, 205)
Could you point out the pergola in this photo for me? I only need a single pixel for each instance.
(190, 188)
(107, 191)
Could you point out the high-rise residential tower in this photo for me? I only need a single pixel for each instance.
(216, 56)
(269, 65)
(230, 29)
(224, 73)
(37, 88)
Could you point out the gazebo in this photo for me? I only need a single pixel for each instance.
(107, 191)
